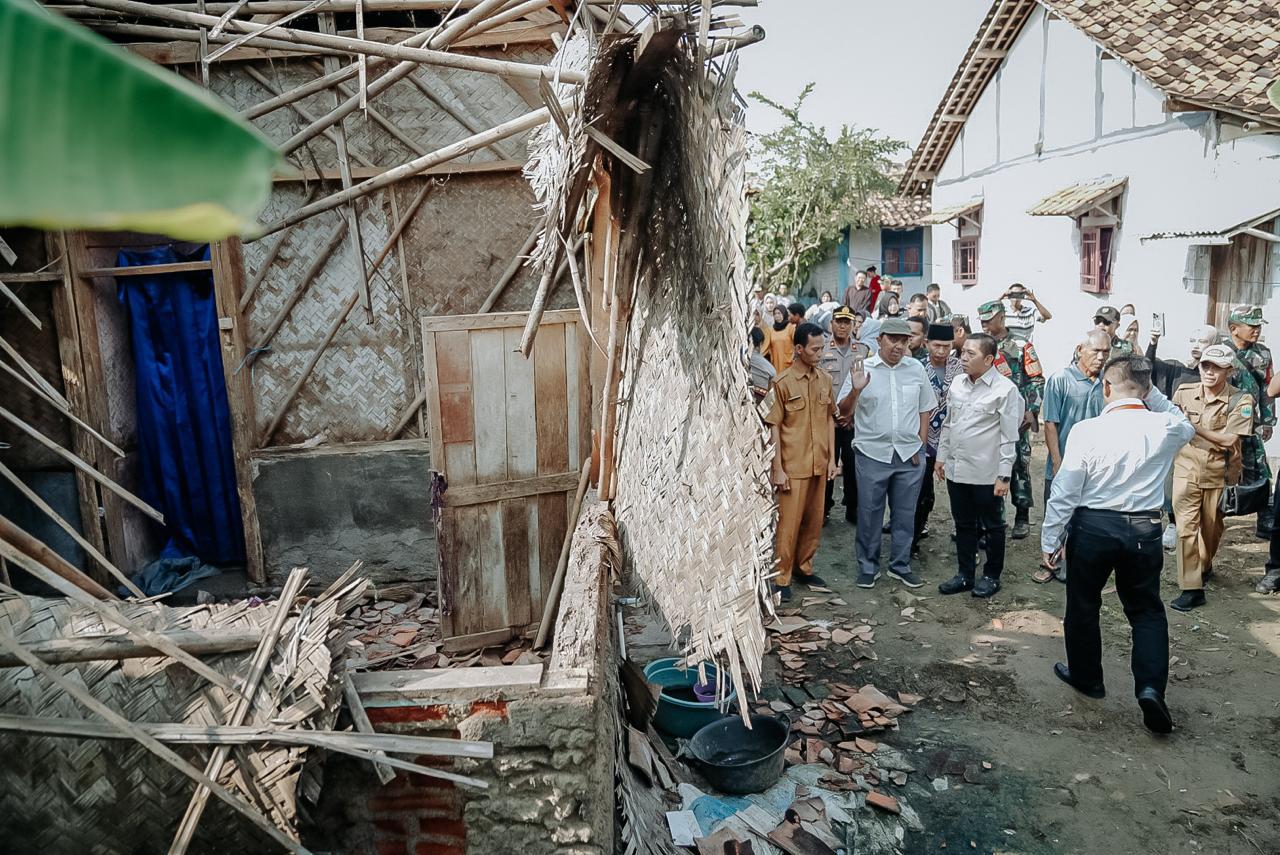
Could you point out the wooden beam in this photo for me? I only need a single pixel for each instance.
(44, 396)
(31, 372)
(43, 276)
(1259, 233)
(478, 494)
(147, 269)
(954, 117)
(990, 53)
(360, 719)
(228, 280)
(99, 648)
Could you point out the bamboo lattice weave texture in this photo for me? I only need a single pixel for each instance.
(61, 795)
(693, 503)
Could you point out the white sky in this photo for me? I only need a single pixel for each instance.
(877, 63)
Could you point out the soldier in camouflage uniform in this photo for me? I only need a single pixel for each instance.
(1017, 360)
(1252, 374)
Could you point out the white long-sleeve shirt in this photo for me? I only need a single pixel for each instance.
(1116, 461)
(980, 436)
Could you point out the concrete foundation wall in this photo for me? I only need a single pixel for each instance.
(324, 508)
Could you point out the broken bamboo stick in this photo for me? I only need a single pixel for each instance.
(44, 396)
(336, 234)
(258, 666)
(180, 34)
(342, 316)
(272, 25)
(519, 261)
(350, 45)
(98, 648)
(40, 552)
(82, 466)
(370, 746)
(413, 167)
(127, 729)
(21, 306)
(562, 565)
(307, 117)
(74, 533)
(109, 613)
(33, 373)
(409, 413)
(360, 720)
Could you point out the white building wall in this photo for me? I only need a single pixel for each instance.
(1100, 119)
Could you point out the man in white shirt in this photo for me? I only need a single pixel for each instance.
(975, 455)
(889, 398)
(1106, 502)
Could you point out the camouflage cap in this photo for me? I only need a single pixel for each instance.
(990, 309)
(1249, 315)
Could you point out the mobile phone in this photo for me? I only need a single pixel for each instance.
(1157, 323)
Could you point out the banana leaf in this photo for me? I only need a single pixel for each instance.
(94, 137)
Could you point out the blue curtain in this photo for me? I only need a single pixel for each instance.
(184, 425)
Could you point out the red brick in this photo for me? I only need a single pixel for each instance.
(392, 847)
(414, 802)
(443, 829)
(497, 708)
(401, 715)
(440, 849)
(389, 827)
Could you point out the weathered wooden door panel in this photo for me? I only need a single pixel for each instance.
(509, 435)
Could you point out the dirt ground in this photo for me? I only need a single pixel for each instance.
(1069, 774)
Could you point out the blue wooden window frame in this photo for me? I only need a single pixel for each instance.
(902, 252)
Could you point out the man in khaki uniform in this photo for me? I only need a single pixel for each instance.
(801, 419)
(1221, 415)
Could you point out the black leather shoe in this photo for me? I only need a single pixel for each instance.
(813, 579)
(1268, 584)
(1064, 674)
(1155, 714)
(955, 585)
(1021, 529)
(985, 587)
(1188, 600)
(783, 592)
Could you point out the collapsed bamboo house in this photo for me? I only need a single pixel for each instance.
(506, 263)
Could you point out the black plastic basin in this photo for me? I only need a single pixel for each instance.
(738, 760)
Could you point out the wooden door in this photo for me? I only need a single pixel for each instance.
(509, 435)
(1238, 275)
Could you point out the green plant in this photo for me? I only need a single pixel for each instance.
(809, 188)
(94, 137)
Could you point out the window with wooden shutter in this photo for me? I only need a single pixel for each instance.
(964, 260)
(1095, 258)
(902, 252)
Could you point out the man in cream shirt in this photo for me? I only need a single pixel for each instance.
(1106, 503)
(889, 399)
(975, 455)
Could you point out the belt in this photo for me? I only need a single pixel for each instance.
(1144, 516)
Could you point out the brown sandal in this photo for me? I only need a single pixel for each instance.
(1043, 575)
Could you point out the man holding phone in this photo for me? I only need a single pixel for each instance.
(1023, 311)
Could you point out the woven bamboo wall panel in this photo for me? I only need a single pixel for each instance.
(103, 796)
(363, 380)
(693, 502)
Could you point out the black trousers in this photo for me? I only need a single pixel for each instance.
(977, 511)
(844, 455)
(1128, 544)
(1273, 560)
(924, 505)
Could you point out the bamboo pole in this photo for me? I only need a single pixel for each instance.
(178, 34)
(306, 116)
(105, 648)
(519, 261)
(39, 551)
(360, 719)
(336, 234)
(36, 390)
(409, 413)
(33, 373)
(126, 728)
(457, 115)
(413, 167)
(280, 7)
(562, 565)
(437, 39)
(258, 666)
(82, 466)
(342, 316)
(109, 613)
(273, 25)
(350, 45)
(21, 306)
(37, 500)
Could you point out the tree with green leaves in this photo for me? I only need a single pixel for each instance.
(808, 188)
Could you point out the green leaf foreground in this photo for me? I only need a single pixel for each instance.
(94, 137)
(1273, 92)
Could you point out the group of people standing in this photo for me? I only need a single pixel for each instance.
(889, 405)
